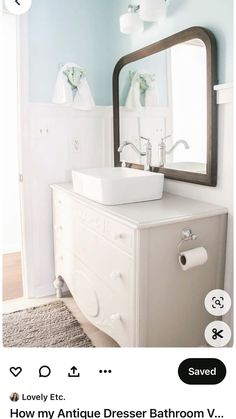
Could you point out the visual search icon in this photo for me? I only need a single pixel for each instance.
(218, 302)
(18, 7)
(218, 334)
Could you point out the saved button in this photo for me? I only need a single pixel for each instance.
(196, 371)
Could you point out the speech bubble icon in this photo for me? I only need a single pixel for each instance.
(44, 371)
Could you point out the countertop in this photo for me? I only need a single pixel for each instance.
(170, 209)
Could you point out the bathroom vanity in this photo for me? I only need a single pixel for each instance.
(121, 265)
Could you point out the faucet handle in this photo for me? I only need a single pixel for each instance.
(163, 139)
(148, 142)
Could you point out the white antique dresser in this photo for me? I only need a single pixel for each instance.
(120, 264)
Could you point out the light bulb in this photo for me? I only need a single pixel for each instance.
(131, 23)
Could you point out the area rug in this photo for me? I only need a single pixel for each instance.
(49, 325)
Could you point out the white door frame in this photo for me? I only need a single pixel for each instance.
(22, 95)
(19, 147)
(23, 98)
(32, 286)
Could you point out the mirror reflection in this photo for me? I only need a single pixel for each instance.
(163, 109)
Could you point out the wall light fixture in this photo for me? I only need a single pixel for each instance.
(131, 22)
(146, 10)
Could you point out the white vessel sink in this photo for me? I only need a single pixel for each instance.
(118, 185)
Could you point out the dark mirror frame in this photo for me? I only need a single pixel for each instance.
(210, 178)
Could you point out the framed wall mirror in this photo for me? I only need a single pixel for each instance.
(164, 102)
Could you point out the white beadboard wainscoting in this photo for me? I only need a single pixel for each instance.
(49, 132)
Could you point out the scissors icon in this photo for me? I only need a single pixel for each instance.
(217, 334)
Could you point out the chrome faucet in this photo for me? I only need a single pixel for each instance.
(163, 152)
(147, 153)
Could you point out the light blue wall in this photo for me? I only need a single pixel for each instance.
(87, 31)
(74, 30)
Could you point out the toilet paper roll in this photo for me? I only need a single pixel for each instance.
(192, 258)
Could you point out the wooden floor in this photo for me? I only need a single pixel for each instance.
(12, 276)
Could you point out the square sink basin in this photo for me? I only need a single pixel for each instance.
(118, 185)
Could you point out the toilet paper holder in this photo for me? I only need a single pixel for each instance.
(186, 235)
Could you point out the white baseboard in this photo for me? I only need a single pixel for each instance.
(11, 249)
(44, 291)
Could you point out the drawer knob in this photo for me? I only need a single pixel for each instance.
(115, 317)
(116, 275)
(59, 202)
(119, 236)
(59, 258)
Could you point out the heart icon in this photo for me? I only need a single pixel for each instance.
(15, 371)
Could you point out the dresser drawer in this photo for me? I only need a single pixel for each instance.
(66, 212)
(101, 257)
(120, 235)
(60, 203)
(61, 213)
(63, 233)
(92, 219)
(62, 220)
(64, 262)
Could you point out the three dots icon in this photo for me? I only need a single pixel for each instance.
(105, 371)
